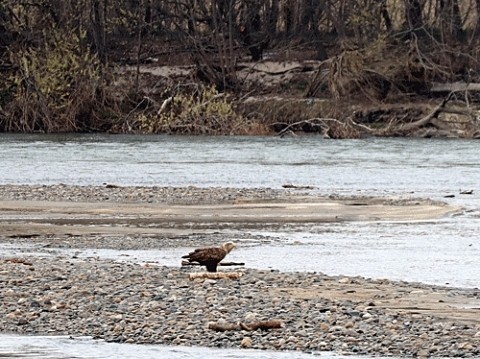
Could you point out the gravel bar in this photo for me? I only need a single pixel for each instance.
(122, 302)
(138, 194)
(147, 303)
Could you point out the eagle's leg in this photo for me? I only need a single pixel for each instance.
(211, 267)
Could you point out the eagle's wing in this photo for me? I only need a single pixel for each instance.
(202, 255)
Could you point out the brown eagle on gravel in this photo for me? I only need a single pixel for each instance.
(210, 257)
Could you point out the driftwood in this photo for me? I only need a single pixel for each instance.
(454, 87)
(450, 116)
(23, 261)
(312, 122)
(263, 325)
(289, 185)
(223, 327)
(216, 275)
(223, 264)
(328, 125)
(166, 104)
(427, 119)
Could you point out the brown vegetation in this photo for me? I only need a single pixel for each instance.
(352, 68)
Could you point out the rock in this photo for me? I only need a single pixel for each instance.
(325, 327)
(465, 346)
(21, 301)
(246, 342)
(423, 354)
(116, 317)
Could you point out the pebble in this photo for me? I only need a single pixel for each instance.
(137, 194)
(130, 303)
(246, 342)
(165, 307)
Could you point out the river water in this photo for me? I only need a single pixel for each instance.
(443, 251)
(424, 166)
(62, 347)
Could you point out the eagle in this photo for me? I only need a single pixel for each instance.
(211, 256)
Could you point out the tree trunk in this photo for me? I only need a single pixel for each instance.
(450, 20)
(308, 24)
(3, 30)
(477, 3)
(98, 30)
(252, 30)
(413, 14)
(273, 18)
(386, 17)
(288, 16)
(336, 18)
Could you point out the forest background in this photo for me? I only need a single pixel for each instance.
(341, 68)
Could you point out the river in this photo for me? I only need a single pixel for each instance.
(430, 167)
(442, 252)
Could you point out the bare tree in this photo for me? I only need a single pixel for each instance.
(450, 20)
(97, 18)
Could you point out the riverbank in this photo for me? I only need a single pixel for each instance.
(62, 293)
(131, 303)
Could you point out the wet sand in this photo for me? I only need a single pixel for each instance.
(42, 217)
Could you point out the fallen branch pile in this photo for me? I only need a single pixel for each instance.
(452, 117)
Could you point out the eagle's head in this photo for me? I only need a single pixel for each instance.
(228, 246)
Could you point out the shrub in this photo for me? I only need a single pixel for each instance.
(56, 87)
(201, 111)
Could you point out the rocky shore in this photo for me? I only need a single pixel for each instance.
(153, 194)
(150, 303)
(181, 195)
(130, 303)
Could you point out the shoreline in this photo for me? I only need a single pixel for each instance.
(132, 303)
(148, 304)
